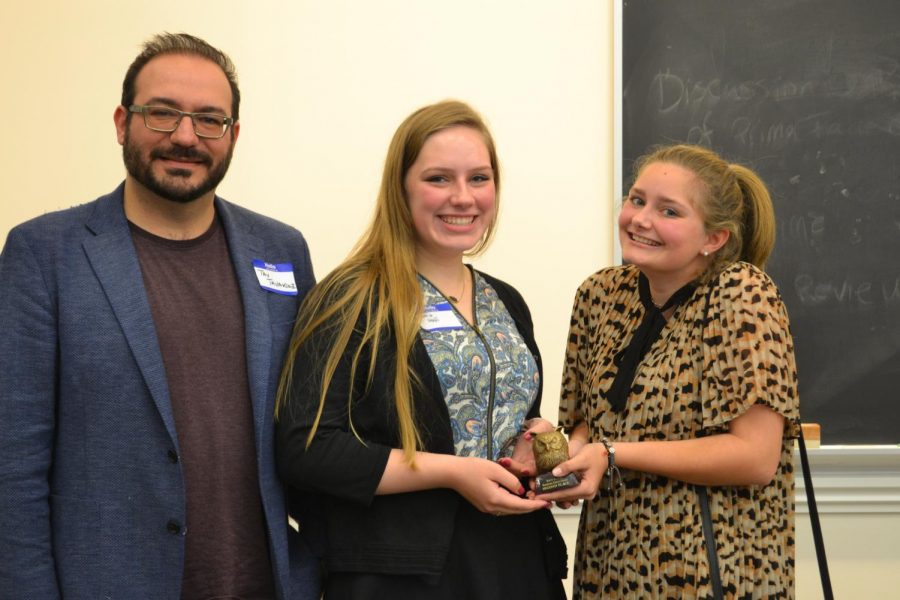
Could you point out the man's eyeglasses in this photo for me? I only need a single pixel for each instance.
(165, 119)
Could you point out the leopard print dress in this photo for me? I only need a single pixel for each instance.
(646, 540)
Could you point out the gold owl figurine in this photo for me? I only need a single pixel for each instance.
(550, 449)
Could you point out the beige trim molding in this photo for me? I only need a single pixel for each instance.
(851, 479)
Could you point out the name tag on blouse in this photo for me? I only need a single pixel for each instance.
(440, 317)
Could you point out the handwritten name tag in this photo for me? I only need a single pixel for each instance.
(278, 278)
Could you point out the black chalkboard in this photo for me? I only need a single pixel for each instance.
(808, 94)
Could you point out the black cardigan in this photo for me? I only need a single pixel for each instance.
(405, 533)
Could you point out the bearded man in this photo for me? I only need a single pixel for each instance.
(142, 340)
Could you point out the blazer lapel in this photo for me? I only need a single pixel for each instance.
(244, 248)
(114, 261)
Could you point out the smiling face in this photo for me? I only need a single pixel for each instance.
(451, 193)
(177, 166)
(661, 228)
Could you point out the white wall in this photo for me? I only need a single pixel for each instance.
(324, 85)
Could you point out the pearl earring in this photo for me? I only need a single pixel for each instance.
(705, 253)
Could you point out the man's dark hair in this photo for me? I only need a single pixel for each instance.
(181, 43)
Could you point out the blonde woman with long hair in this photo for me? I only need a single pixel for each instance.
(680, 394)
(412, 389)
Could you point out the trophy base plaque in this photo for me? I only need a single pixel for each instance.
(546, 483)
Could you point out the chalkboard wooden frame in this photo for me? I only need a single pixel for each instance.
(807, 92)
(619, 182)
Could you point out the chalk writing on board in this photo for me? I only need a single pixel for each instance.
(807, 93)
(849, 291)
(693, 102)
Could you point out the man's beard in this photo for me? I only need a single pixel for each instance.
(169, 188)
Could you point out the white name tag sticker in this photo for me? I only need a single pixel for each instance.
(440, 317)
(276, 277)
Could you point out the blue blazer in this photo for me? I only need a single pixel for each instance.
(87, 485)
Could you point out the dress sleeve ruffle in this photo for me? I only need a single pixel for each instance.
(748, 351)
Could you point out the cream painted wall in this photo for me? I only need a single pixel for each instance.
(324, 85)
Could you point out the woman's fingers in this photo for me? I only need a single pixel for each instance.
(517, 467)
(537, 425)
(492, 488)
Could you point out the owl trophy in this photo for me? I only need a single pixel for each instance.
(550, 449)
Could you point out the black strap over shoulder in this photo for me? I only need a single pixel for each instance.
(709, 537)
(814, 519)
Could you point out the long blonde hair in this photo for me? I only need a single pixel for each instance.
(378, 281)
(733, 198)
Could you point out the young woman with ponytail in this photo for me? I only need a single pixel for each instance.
(680, 383)
(412, 388)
